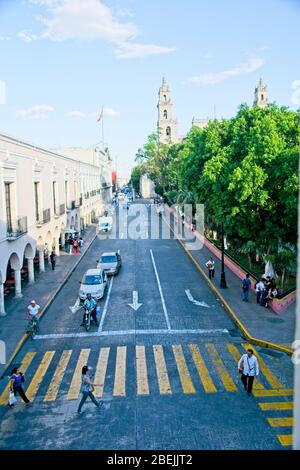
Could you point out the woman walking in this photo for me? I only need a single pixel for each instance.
(16, 380)
(87, 389)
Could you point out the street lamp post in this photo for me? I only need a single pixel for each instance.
(223, 284)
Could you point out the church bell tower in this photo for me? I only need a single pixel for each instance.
(166, 125)
(260, 95)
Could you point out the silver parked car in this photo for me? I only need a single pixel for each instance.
(110, 263)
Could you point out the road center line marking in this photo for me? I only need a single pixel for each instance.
(160, 291)
(105, 306)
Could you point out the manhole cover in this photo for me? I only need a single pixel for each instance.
(275, 320)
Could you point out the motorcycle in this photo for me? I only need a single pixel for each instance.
(88, 319)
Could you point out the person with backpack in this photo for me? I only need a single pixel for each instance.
(87, 389)
(249, 368)
(15, 386)
(246, 284)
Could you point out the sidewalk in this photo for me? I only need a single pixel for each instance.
(261, 323)
(13, 325)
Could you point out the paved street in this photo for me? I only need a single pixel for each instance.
(167, 370)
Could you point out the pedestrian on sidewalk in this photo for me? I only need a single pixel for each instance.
(248, 367)
(259, 288)
(75, 246)
(16, 380)
(246, 284)
(53, 260)
(71, 241)
(81, 243)
(211, 268)
(87, 389)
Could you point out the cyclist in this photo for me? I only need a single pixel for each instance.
(90, 305)
(33, 312)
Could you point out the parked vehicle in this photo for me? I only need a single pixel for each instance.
(110, 263)
(121, 196)
(94, 282)
(105, 224)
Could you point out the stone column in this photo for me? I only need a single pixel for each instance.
(2, 306)
(30, 270)
(62, 237)
(57, 246)
(18, 284)
(41, 261)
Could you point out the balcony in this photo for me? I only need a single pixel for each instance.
(86, 195)
(16, 229)
(71, 206)
(78, 202)
(60, 210)
(43, 218)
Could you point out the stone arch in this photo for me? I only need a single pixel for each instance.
(56, 232)
(29, 251)
(14, 261)
(40, 244)
(72, 221)
(49, 238)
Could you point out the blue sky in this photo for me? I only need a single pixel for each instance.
(61, 60)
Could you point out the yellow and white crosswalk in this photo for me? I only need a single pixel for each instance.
(162, 369)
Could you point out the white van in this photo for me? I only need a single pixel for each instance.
(121, 196)
(105, 224)
(94, 282)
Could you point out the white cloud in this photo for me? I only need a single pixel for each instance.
(253, 64)
(41, 111)
(124, 12)
(27, 36)
(77, 114)
(130, 50)
(5, 38)
(90, 20)
(107, 112)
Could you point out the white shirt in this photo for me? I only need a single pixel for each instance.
(250, 365)
(260, 286)
(33, 311)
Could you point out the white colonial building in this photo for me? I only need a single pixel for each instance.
(167, 127)
(43, 195)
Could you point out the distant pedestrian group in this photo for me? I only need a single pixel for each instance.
(265, 291)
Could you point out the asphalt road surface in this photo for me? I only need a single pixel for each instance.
(165, 355)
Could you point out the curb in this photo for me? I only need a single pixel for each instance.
(47, 305)
(239, 324)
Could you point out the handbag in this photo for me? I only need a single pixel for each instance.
(11, 399)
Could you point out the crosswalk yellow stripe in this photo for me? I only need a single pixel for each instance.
(58, 376)
(221, 369)
(270, 377)
(237, 356)
(76, 379)
(285, 439)
(23, 367)
(282, 405)
(183, 371)
(120, 372)
(101, 371)
(39, 375)
(273, 393)
(161, 370)
(141, 371)
(204, 375)
(277, 422)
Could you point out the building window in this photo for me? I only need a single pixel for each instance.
(37, 202)
(165, 114)
(168, 131)
(8, 206)
(262, 97)
(54, 196)
(165, 98)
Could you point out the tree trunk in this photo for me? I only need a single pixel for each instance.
(249, 260)
(282, 278)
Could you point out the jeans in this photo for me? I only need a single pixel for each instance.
(246, 295)
(85, 395)
(211, 273)
(21, 392)
(247, 382)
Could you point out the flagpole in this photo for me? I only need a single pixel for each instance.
(102, 127)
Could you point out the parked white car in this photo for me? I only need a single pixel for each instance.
(94, 282)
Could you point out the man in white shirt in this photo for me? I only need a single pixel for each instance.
(260, 287)
(33, 310)
(248, 367)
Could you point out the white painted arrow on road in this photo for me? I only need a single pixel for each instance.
(76, 306)
(195, 302)
(135, 301)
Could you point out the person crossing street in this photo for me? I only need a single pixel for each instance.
(249, 368)
(87, 389)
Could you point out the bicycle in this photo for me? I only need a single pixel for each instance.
(33, 327)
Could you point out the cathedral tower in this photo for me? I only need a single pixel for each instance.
(166, 125)
(260, 95)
